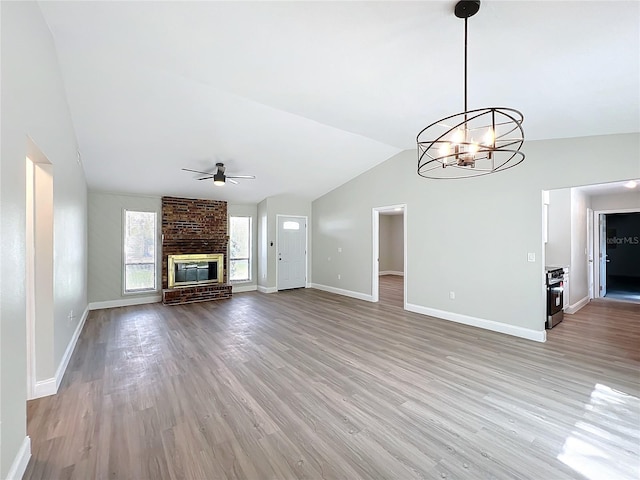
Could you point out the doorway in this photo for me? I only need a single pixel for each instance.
(39, 272)
(291, 245)
(619, 256)
(389, 272)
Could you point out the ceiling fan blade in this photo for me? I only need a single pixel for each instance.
(205, 178)
(229, 179)
(250, 177)
(197, 171)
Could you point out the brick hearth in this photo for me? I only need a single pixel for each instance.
(193, 226)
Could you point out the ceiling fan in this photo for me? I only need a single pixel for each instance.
(219, 177)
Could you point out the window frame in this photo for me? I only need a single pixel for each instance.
(249, 259)
(124, 263)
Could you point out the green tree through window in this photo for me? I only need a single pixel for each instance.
(240, 249)
(139, 251)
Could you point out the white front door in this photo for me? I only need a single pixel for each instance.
(292, 252)
(603, 255)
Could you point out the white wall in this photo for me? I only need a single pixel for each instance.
(43, 285)
(621, 201)
(468, 236)
(34, 103)
(106, 230)
(578, 270)
(391, 247)
(558, 246)
(105, 245)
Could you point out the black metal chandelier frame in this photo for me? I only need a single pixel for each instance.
(450, 148)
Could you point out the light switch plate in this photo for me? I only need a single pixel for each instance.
(531, 257)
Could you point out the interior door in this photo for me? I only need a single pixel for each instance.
(603, 255)
(292, 252)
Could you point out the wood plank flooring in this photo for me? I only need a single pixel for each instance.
(309, 385)
(391, 290)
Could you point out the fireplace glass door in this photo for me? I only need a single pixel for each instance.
(196, 269)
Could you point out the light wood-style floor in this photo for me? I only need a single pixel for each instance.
(391, 290)
(309, 385)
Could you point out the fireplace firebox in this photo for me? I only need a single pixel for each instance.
(195, 269)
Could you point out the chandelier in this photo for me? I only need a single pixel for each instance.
(474, 142)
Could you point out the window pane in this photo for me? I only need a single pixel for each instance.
(239, 270)
(140, 237)
(140, 277)
(239, 249)
(291, 226)
(139, 251)
(239, 236)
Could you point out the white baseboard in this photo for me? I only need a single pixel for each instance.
(70, 347)
(21, 460)
(243, 288)
(262, 289)
(535, 335)
(391, 272)
(125, 302)
(571, 309)
(340, 291)
(44, 388)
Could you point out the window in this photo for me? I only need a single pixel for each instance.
(139, 251)
(291, 226)
(240, 249)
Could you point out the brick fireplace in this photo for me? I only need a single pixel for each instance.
(192, 226)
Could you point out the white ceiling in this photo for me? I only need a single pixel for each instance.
(307, 95)
(613, 188)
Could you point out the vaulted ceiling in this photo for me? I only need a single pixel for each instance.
(307, 95)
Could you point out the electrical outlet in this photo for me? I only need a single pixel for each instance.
(70, 317)
(452, 295)
(339, 277)
(339, 249)
(328, 259)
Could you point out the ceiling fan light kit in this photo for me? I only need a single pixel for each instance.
(219, 179)
(474, 142)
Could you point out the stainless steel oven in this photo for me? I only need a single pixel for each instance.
(555, 292)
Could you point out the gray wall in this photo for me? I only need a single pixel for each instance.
(465, 236)
(34, 103)
(106, 230)
(391, 246)
(105, 242)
